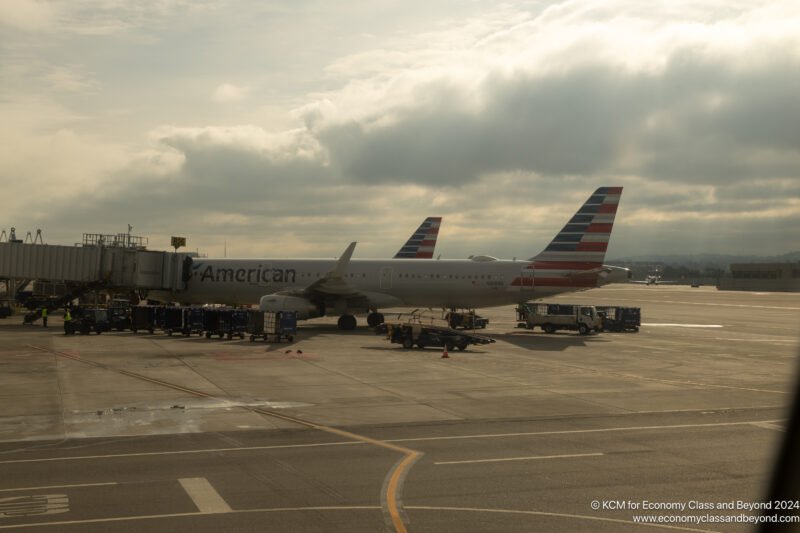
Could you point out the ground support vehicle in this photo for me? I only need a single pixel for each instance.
(86, 320)
(422, 330)
(268, 325)
(617, 318)
(553, 317)
(143, 318)
(469, 320)
(422, 336)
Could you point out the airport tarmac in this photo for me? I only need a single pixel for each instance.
(341, 431)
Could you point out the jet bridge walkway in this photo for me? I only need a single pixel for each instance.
(100, 262)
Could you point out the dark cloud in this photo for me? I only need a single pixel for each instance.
(700, 120)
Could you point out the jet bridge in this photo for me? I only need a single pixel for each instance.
(103, 261)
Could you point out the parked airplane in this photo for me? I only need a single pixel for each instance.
(573, 261)
(653, 278)
(422, 242)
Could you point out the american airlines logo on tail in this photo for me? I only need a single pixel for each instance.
(421, 244)
(575, 256)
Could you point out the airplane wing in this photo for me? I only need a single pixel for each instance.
(332, 286)
(422, 242)
(333, 283)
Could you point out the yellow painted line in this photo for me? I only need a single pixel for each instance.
(392, 490)
(47, 487)
(529, 458)
(757, 423)
(394, 476)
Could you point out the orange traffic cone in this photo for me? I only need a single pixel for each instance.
(445, 355)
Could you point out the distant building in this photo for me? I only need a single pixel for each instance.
(773, 277)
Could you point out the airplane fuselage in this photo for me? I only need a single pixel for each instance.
(386, 282)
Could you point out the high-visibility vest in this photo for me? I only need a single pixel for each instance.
(44, 312)
(67, 316)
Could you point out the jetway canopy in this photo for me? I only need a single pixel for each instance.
(115, 267)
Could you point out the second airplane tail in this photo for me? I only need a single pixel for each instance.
(421, 244)
(578, 251)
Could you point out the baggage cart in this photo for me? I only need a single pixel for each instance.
(119, 314)
(616, 318)
(272, 326)
(212, 323)
(172, 320)
(143, 318)
(192, 321)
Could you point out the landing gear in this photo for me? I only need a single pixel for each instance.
(347, 322)
(374, 319)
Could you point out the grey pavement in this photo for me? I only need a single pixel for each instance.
(520, 435)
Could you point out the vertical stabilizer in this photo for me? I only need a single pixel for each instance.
(422, 243)
(578, 251)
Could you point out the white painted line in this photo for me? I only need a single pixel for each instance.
(769, 425)
(181, 515)
(559, 515)
(683, 325)
(580, 431)
(710, 304)
(179, 452)
(356, 508)
(413, 439)
(60, 486)
(204, 496)
(531, 458)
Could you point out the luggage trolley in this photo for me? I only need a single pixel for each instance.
(143, 317)
(172, 320)
(274, 326)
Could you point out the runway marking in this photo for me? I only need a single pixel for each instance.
(769, 425)
(46, 487)
(412, 439)
(354, 508)
(711, 304)
(393, 506)
(683, 325)
(204, 496)
(530, 458)
(180, 452)
(181, 515)
(580, 431)
(558, 515)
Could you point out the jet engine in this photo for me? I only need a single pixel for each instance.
(281, 302)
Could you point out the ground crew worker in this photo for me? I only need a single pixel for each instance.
(67, 321)
(44, 317)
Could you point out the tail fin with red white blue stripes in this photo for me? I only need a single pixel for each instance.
(421, 244)
(578, 251)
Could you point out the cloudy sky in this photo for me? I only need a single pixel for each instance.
(291, 128)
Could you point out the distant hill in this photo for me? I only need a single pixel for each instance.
(710, 260)
(689, 268)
